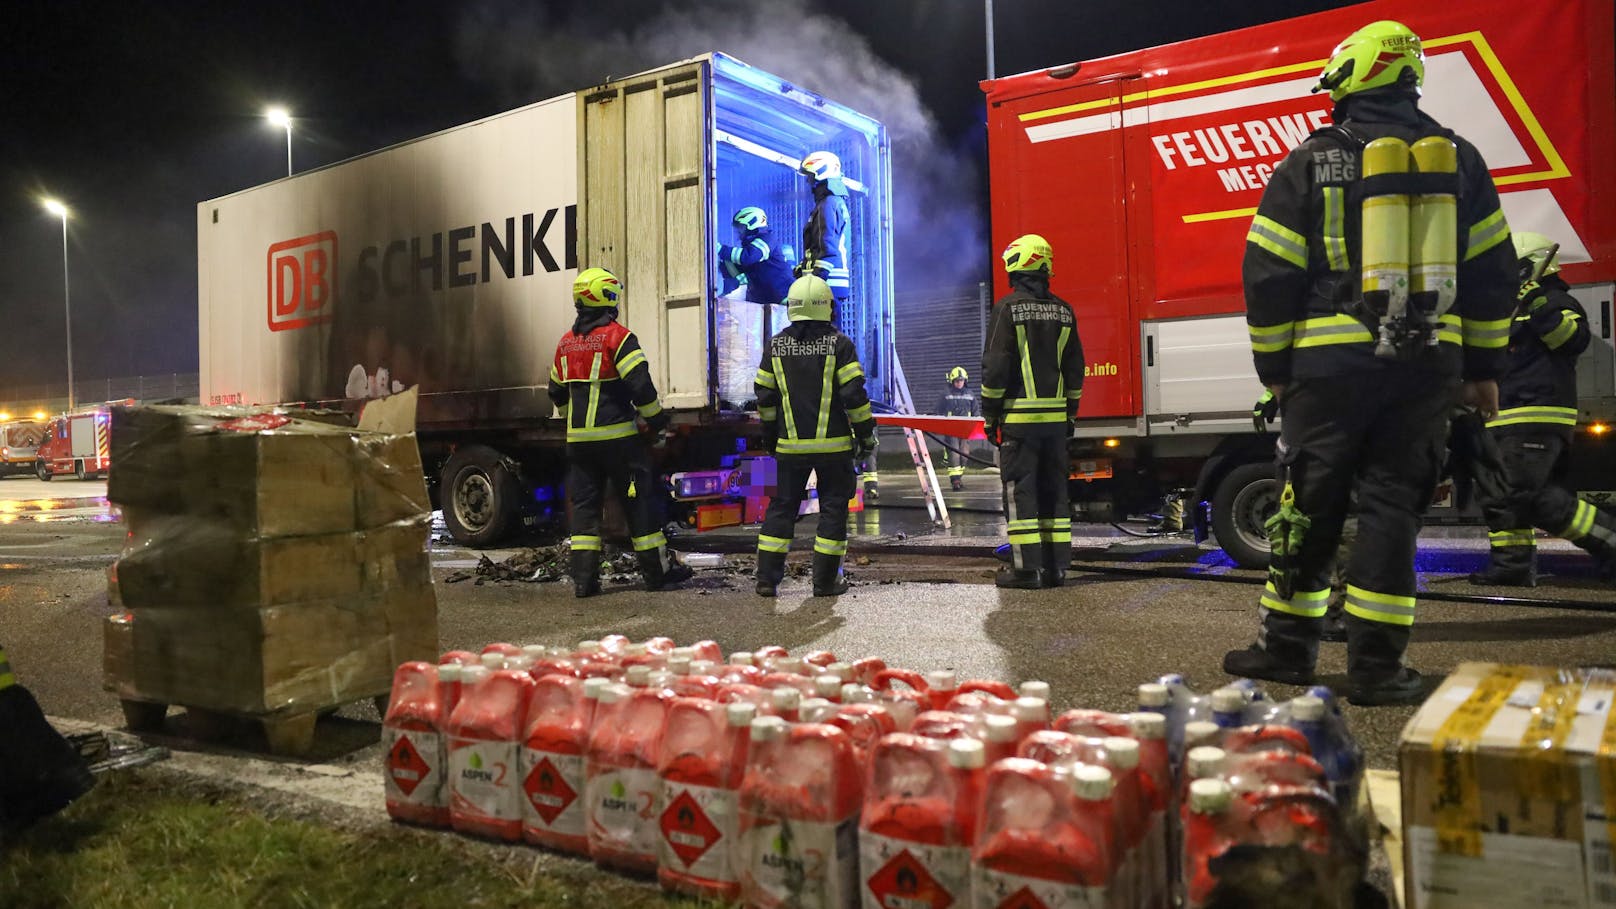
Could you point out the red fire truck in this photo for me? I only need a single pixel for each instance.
(1144, 170)
(76, 443)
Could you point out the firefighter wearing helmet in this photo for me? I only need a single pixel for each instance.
(1379, 282)
(1032, 380)
(816, 420)
(825, 253)
(957, 401)
(754, 260)
(600, 383)
(1538, 410)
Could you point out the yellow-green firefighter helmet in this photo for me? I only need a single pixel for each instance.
(1029, 252)
(1534, 247)
(809, 300)
(958, 374)
(596, 287)
(1371, 57)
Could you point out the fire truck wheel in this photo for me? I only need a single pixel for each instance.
(79, 471)
(480, 495)
(1243, 501)
(41, 471)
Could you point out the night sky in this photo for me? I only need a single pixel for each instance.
(133, 112)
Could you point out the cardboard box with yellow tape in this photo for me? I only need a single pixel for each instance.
(1509, 790)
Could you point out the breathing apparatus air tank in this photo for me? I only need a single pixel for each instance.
(1385, 239)
(1433, 273)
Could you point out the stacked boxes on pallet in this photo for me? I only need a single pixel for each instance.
(275, 561)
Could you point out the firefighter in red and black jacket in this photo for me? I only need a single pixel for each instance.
(1032, 379)
(816, 420)
(1368, 359)
(1538, 409)
(601, 384)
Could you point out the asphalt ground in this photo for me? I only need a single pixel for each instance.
(924, 600)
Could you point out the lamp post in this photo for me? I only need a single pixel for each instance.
(989, 16)
(56, 208)
(280, 117)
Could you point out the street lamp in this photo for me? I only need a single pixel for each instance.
(280, 117)
(989, 16)
(56, 208)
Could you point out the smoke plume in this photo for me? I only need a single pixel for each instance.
(530, 53)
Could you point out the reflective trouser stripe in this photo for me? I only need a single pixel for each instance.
(956, 471)
(7, 679)
(1498, 539)
(1309, 604)
(1386, 608)
(650, 541)
(582, 542)
(830, 547)
(871, 476)
(1055, 530)
(1027, 538)
(773, 544)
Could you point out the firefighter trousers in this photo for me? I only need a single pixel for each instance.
(954, 457)
(835, 481)
(624, 465)
(1535, 464)
(1382, 434)
(1033, 465)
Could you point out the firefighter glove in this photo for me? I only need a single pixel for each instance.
(658, 422)
(995, 433)
(768, 442)
(866, 446)
(1264, 411)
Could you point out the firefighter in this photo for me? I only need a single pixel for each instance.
(1032, 379)
(816, 420)
(825, 253)
(957, 402)
(1538, 400)
(764, 268)
(600, 382)
(1378, 279)
(40, 772)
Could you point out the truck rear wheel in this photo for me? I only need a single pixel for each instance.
(41, 471)
(79, 471)
(480, 496)
(1244, 499)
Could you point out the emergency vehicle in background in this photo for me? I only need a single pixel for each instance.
(77, 443)
(19, 440)
(446, 263)
(1144, 171)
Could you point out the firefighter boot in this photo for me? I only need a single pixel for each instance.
(40, 772)
(771, 569)
(1019, 578)
(1334, 629)
(956, 483)
(1376, 675)
(1509, 566)
(1286, 649)
(585, 572)
(662, 569)
(828, 579)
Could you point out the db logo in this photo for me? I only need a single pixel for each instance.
(302, 281)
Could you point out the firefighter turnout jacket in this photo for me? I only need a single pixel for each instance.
(957, 402)
(763, 268)
(825, 236)
(810, 392)
(600, 380)
(1302, 261)
(1032, 365)
(1538, 392)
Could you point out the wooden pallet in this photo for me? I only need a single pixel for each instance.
(289, 733)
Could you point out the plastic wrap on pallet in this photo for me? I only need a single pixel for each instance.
(295, 575)
(740, 346)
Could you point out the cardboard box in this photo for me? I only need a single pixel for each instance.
(1509, 790)
(182, 562)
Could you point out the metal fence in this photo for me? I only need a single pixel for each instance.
(938, 330)
(20, 400)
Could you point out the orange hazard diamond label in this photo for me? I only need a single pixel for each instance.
(548, 791)
(688, 829)
(406, 766)
(1023, 899)
(904, 883)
